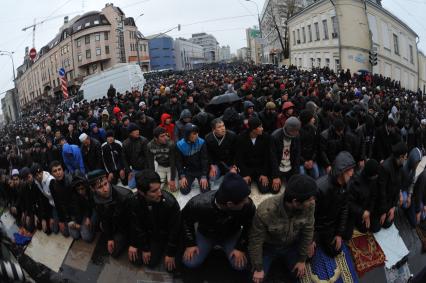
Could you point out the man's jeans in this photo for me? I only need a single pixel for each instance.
(85, 232)
(132, 181)
(205, 245)
(314, 172)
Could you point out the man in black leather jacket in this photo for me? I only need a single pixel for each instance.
(111, 206)
(332, 209)
(155, 218)
(224, 218)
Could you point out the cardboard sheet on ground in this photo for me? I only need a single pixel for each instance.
(49, 250)
(80, 254)
(392, 245)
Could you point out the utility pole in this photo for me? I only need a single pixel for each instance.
(278, 31)
(15, 96)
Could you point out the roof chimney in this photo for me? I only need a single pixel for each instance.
(66, 20)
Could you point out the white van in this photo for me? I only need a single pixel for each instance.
(124, 77)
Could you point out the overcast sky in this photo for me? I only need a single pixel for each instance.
(225, 19)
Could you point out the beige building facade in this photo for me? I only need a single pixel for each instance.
(85, 45)
(422, 72)
(340, 34)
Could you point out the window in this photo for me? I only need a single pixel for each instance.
(106, 35)
(304, 35)
(79, 57)
(298, 36)
(317, 32)
(411, 54)
(319, 62)
(144, 48)
(334, 23)
(79, 42)
(312, 62)
(87, 24)
(96, 22)
(325, 27)
(106, 49)
(294, 37)
(87, 39)
(395, 44)
(97, 37)
(310, 33)
(327, 62)
(98, 51)
(88, 54)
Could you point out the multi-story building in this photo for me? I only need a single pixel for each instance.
(162, 53)
(9, 107)
(254, 45)
(422, 72)
(84, 45)
(209, 44)
(274, 16)
(340, 35)
(243, 54)
(225, 53)
(188, 55)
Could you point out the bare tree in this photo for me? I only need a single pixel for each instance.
(290, 10)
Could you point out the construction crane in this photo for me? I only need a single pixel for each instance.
(35, 24)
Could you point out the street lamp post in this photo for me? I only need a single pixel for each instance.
(10, 54)
(260, 30)
(137, 43)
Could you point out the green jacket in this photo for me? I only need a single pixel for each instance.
(275, 225)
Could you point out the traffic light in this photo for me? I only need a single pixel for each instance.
(373, 58)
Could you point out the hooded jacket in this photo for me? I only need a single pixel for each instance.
(170, 128)
(332, 207)
(330, 145)
(179, 131)
(419, 192)
(191, 157)
(73, 160)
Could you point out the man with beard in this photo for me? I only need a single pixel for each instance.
(284, 227)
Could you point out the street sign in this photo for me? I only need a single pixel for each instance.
(33, 53)
(61, 72)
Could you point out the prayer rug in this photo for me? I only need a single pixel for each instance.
(366, 253)
(324, 269)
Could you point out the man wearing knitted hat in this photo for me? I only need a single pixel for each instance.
(290, 214)
(224, 218)
(253, 155)
(285, 152)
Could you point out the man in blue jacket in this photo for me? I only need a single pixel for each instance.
(191, 160)
(71, 155)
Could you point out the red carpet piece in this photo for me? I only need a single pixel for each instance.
(366, 253)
